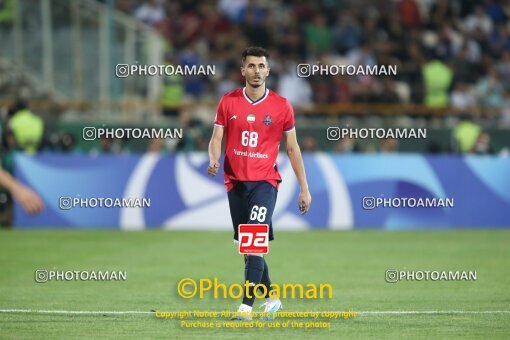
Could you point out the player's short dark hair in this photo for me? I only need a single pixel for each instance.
(254, 51)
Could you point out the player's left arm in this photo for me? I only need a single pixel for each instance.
(296, 160)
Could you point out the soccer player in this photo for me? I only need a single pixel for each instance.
(253, 121)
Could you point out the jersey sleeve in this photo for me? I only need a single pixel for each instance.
(289, 123)
(221, 114)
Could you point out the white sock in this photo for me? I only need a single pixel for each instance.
(244, 308)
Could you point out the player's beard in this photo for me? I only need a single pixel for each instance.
(259, 84)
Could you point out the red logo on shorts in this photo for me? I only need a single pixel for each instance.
(253, 238)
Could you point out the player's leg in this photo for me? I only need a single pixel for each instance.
(261, 204)
(238, 209)
(266, 280)
(271, 304)
(253, 270)
(239, 214)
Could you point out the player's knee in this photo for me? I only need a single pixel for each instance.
(236, 243)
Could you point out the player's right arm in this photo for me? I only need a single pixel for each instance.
(220, 122)
(215, 150)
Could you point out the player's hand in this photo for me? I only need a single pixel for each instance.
(213, 168)
(304, 201)
(29, 200)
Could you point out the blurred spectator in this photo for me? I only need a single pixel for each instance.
(449, 41)
(193, 139)
(125, 6)
(388, 92)
(309, 144)
(437, 78)
(28, 128)
(232, 8)
(505, 110)
(254, 11)
(388, 145)
(478, 21)
(409, 13)
(441, 12)
(254, 27)
(347, 34)
(151, 12)
(465, 63)
(461, 98)
(347, 145)
(465, 135)
(294, 88)
(495, 11)
(230, 83)
(290, 41)
(172, 92)
(108, 146)
(499, 40)
(341, 90)
(434, 147)
(503, 70)
(67, 142)
(490, 90)
(364, 55)
(213, 23)
(467, 7)
(318, 35)
(364, 92)
(189, 29)
(483, 144)
(9, 141)
(7, 11)
(411, 70)
(193, 85)
(321, 90)
(156, 145)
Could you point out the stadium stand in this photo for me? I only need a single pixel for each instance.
(452, 59)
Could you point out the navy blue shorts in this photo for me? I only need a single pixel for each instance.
(252, 203)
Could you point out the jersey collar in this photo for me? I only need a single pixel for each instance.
(258, 101)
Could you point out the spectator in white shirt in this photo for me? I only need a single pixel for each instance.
(151, 12)
(479, 20)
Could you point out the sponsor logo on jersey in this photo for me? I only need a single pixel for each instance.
(268, 120)
(233, 117)
(250, 118)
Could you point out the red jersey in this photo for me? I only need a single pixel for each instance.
(253, 130)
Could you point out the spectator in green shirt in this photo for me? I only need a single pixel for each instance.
(318, 35)
(437, 78)
(27, 127)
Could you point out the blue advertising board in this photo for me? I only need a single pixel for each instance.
(344, 188)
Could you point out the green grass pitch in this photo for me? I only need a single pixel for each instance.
(353, 262)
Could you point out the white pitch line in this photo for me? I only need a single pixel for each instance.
(410, 312)
(38, 311)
